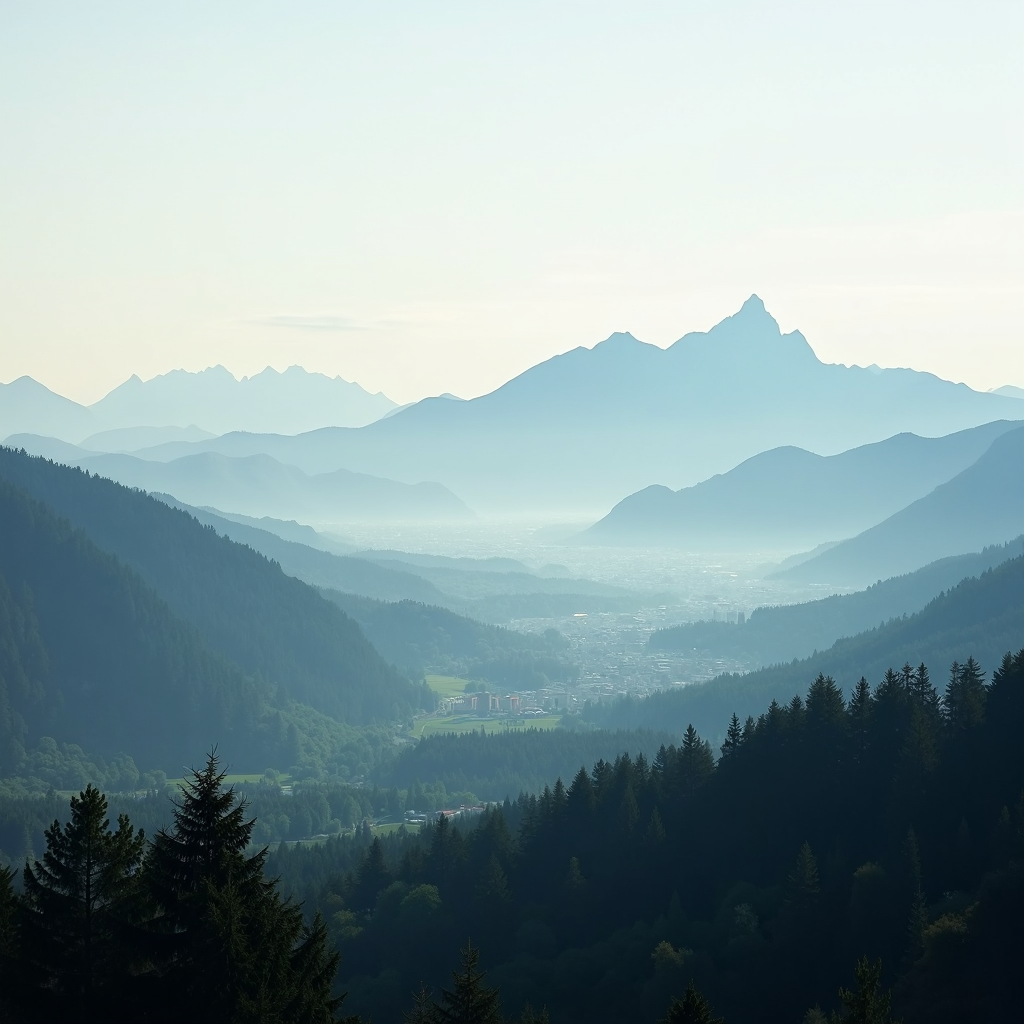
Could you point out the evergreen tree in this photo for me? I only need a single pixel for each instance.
(803, 887)
(867, 1005)
(469, 1001)
(693, 1008)
(964, 700)
(77, 901)
(733, 737)
(695, 763)
(224, 938)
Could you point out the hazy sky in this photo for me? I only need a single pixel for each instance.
(430, 197)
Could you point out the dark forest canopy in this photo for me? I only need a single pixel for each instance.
(271, 625)
(888, 827)
(983, 616)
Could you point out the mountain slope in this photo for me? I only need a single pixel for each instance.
(268, 623)
(26, 406)
(317, 567)
(788, 496)
(784, 632)
(983, 617)
(91, 654)
(578, 431)
(259, 485)
(982, 505)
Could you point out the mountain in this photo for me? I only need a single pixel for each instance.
(790, 497)
(982, 505)
(272, 625)
(90, 653)
(130, 439)
(980, 616)
(285, 403)
(27, 407)
(578, 431)
(259, 485)
(784, 632)
(313, 565)
(172, 404)
(1008, 391)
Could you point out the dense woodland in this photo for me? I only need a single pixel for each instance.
(889, 826)
(780, 633)
(272, 626)
(417, 637)
(980, 617)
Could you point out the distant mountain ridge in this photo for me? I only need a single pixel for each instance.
(788, 496)
(259, 485)
(982, 505)
(212, 399)
(582, 429)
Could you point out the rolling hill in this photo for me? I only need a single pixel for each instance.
(982, 505)
(789, 497)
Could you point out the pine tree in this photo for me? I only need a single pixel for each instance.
(78, 899)
(803, 887)
(468, 1001)
(695, 762)
(867, 1005)
(224, 938)
(733, 737)
(693, 1008)
(964, 700)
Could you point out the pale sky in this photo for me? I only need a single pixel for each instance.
(430, 197)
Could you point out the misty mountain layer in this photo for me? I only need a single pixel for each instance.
(212, 400)
(582, 429)
(790, 497)
(983, 505)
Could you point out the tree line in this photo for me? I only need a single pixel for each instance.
(110, 926)
(888, 826)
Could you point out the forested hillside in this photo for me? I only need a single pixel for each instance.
(983, 616)
(272, 625)
(416, 637)
(889, 826)
(90, 654)
(784, 632)
(503, 765)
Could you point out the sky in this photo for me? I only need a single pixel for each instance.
(431, 198)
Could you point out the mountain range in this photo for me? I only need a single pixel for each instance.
(260, 486)
(211, 401)
(791, 497)
(580, 430)
(982, 505)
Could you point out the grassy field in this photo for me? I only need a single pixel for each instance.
(447, 686)
(435, 724)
